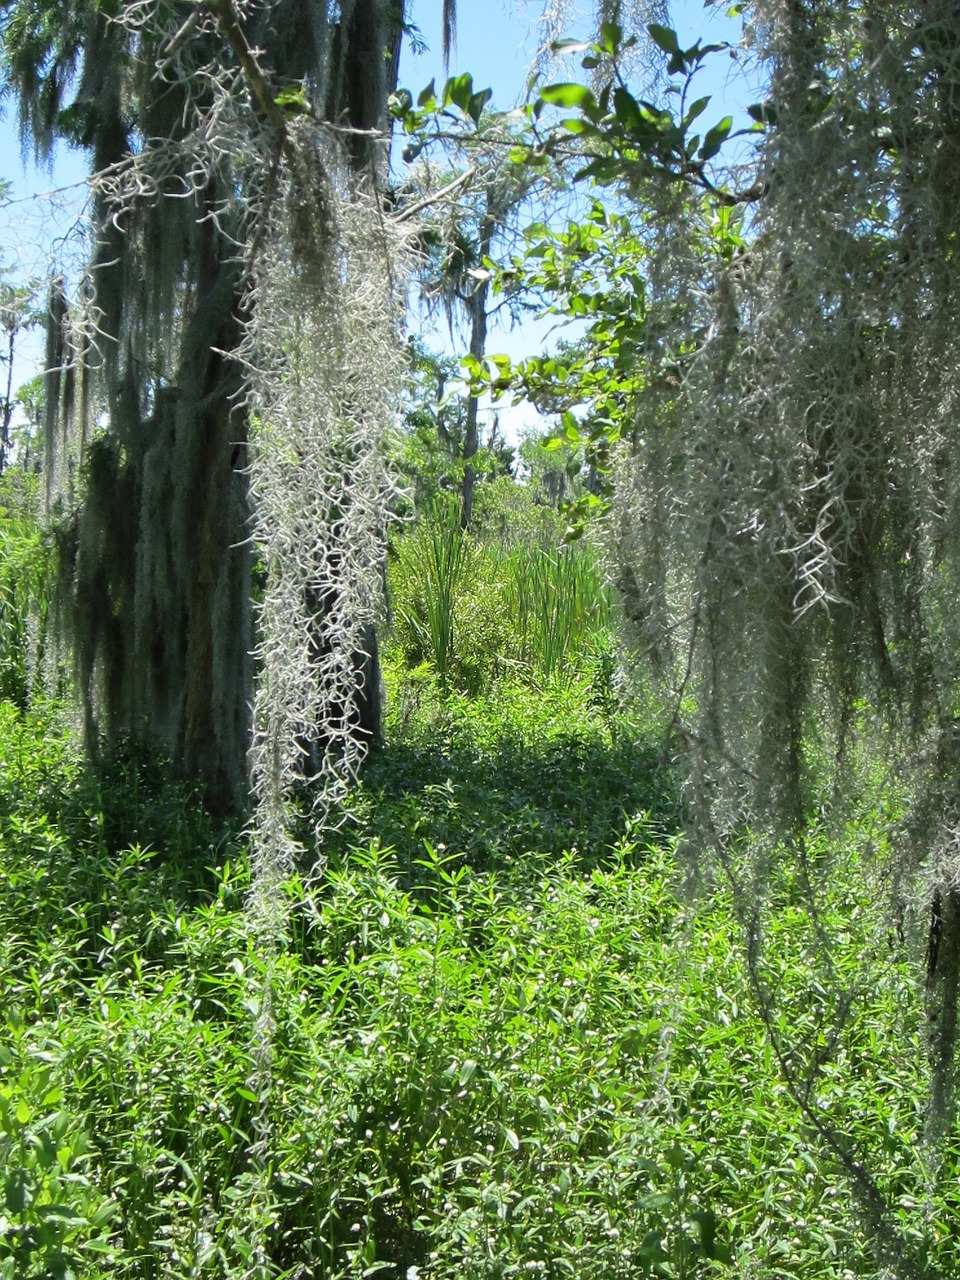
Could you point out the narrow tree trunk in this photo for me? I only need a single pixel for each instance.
(471, 438)
(478, 346)
(943, 987)
(7, 406)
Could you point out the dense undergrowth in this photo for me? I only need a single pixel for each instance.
(507, 1041)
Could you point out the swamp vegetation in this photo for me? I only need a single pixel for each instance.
(512, 1030)
(629, 943)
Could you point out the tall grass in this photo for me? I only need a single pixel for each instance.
(476, 609)
(558, 600)
(434, 559)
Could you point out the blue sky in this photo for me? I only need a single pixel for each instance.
(497, 42)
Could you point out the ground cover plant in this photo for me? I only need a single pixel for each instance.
(507, 1042)
(25, 572)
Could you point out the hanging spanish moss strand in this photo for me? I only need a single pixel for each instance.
(788, 518)
(323, 357)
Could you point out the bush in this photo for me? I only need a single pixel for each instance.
(489, 1057)
(25, 586)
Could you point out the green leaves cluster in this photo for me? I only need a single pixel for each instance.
(595, 270)
(492, 1056)
(26, 585)
(455, 105)
(634, 138)
(474, 611)
(633, 343)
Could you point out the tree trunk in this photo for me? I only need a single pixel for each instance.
(477, 306)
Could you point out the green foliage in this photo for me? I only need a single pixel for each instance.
(26, 582)
(533, 1062)
(26, 431)
(618, 136)
(630, 139)
(478, 605)
(435, 562)
(558, 605)
(427, 453)
(760, 389)
(457, 104)
(559, 769)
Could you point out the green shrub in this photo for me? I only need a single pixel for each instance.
(25, 586)
(504, 1041)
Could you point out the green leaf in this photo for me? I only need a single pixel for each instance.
(63, 1214)
(293, 100)
(574, 124)
(696, 109)
(427, 97)
(105, 1212)
(763, 112)
(715, 138)
(467, 1071)
(477, 102)
(628, 110)
(459, 90)
(603, 171)
(569, 95)
(677, 1158)
(664, 37)
(15, 1191)
(611, 37)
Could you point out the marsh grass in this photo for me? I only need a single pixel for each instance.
(507, 1043)
(559, 604)
(478, 609)
(434, 558)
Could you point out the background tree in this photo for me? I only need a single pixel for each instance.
(465, 232)
(17, 313)
(28, 431)
(428, 449)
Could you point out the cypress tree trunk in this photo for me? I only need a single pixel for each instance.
(212, 514)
